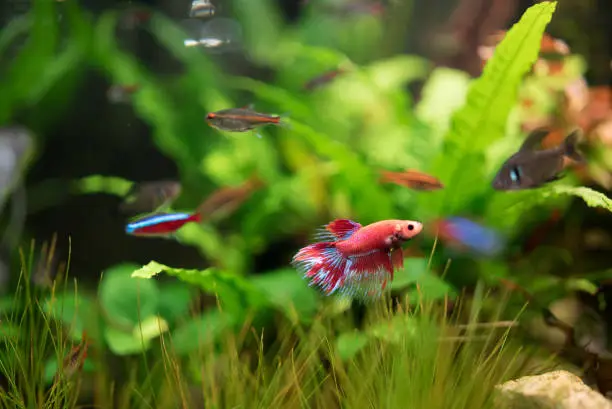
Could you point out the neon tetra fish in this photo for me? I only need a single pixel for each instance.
(241, 119)
(161, 225)
(356, 260)
(531, 168)
(412, 179)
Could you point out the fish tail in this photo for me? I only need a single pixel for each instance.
(323, 265)
(281, 120)
(384, 176)
(198, 216)
(570, 147)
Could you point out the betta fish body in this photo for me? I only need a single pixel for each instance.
(530, 168)
(356, 260)
(161, 225)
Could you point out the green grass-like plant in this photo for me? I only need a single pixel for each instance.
(409, 352)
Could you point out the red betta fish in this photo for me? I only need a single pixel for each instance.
(355, 260)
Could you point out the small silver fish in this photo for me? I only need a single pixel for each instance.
(150, 196)
(216, 36)
(201, 9)
(242, 119)
(530, 168)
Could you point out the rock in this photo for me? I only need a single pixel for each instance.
(553, 390)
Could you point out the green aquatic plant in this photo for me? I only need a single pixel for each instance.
(268, 340)
(410, 351)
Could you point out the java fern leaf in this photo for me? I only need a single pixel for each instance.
(491, 97)
(591, 197)
(552, 196)
(235, 293)
(483, 118)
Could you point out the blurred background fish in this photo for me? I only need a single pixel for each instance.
(323, 79)
(241, 119)
(218, 35)
(75, 359)
(412, 179)
(226, 200)
(466, 235)
(121, 93)
(201, 9)
(531, 168)
(150, 196)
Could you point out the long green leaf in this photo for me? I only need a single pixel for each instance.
(482, 120)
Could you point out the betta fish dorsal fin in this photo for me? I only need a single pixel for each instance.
(342, 229)
(534, 139)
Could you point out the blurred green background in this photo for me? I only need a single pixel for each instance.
(414, 96)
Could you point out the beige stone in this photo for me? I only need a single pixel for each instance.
(552, 390)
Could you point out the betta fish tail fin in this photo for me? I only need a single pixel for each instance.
(570, 147)
(323, 264)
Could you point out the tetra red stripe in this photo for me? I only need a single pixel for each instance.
(274, 119)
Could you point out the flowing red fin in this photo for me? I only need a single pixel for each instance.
(323, 265)
(342, 229)
(367, 275)
(397, 259)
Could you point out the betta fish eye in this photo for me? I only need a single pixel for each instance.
(410, 226)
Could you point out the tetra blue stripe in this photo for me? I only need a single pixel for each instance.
(155, 219)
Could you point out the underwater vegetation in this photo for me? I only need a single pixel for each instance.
(331, 156)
